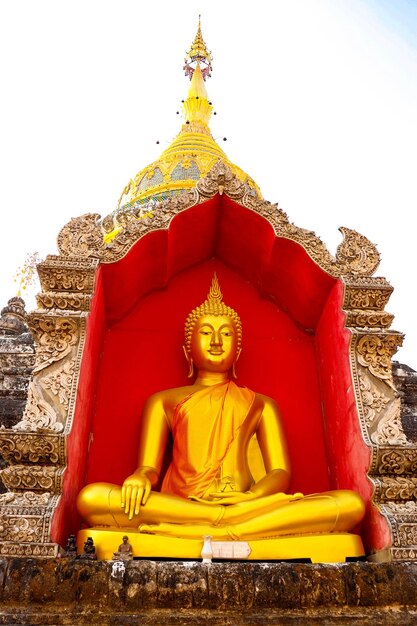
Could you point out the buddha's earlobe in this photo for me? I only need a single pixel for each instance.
(234, 375)
(190, 362)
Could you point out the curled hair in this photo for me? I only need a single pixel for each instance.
(214, 305)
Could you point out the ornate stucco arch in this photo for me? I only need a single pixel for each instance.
(39, 446)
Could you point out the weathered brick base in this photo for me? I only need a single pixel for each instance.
(63, 592)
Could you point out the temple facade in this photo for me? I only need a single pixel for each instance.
(318, 339)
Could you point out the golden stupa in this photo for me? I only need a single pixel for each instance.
(193, 152)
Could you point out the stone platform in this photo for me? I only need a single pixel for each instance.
(64, 592)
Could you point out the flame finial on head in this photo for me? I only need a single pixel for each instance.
(215, 292)
(214, 305)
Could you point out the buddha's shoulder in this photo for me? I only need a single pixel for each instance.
(265, 402)
(170, 397)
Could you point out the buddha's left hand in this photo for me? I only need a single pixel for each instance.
(228, 497)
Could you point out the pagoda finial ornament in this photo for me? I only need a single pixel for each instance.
(196, 108)
(189, 157)
(198, 56)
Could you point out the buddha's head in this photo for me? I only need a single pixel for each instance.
(213, 334)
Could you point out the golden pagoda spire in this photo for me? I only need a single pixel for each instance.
(197, 108)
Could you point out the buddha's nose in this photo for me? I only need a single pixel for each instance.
(216, 339)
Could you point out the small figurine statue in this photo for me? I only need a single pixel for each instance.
(89, 550)
(125, 551)
(71, 548)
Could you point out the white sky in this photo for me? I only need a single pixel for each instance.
(317, 99)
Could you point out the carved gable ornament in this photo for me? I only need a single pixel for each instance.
(83, 236)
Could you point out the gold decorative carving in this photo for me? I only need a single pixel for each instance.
(19, 549)
(375, 352)
(389, 428)
(123, 216)
(61, 275)
(404, 554)
(55, 338)
(366, 293)
(356, 253)
(393, 464)
(28, 502)
(40, 447)
(407, 534)
(404, 509)
(60, 382)
(368, 319)
(394, 461)
(81, 237)
(403, 520)
(196, 127)
(395, 488)
(367, 282)
(25, 517)
(64, 301)
(382, 413)
(279, 220)
(373, 400)
(38, 414)
(108, 223)
(135, 228)
(22, 529)
(221, 180)
(56, 261)
(51, 396)
(32, 477)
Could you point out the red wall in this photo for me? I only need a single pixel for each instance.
(66, 519)
(348, 455)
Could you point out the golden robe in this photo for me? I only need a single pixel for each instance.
(204, 426)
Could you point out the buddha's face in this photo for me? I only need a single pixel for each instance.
(214, 343)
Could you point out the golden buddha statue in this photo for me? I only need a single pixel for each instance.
(208, 488)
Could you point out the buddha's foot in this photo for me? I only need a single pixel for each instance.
(148, 529)
(189, 531)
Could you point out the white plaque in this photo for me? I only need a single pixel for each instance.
(230, 549)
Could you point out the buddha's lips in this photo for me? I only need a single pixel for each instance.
(216, 352)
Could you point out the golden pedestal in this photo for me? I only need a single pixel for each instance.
(320, 548)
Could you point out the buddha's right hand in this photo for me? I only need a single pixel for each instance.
(135, 492)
